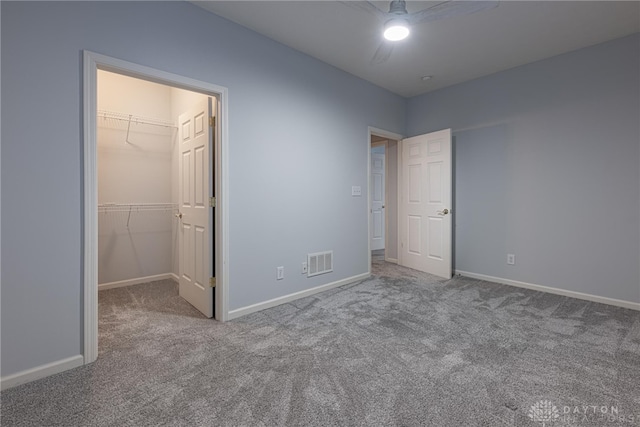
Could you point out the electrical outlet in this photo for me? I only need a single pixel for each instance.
(304, 268)
(279, 273)
(356, 190)
(511, 259)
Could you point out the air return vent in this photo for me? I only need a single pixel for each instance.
(320, 263)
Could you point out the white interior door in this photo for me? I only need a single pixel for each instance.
(377, 201)
(425, 205)
(196, 222)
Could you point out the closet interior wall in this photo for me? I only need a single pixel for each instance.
(137, 236)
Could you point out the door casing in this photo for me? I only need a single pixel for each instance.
(91, 63)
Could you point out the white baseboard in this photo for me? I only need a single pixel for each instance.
(548, 289)
(392, 260)
(136, 281)
(41, 372)
(238, 312)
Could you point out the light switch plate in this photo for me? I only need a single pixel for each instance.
(356, 190)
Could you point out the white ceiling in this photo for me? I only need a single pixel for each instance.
(451, 50)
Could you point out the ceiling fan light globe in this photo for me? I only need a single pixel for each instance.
(396, 30)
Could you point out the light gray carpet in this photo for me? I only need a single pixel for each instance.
(400, 349)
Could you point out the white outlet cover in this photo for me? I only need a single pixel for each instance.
(279, 273)
(356, 190)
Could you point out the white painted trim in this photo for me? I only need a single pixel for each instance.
(399, 154)
(222, 210)
(550, 290)
(238, 312)
(90, 225)
(41, 371)
(383, 133)
(391, 260)
(91, 63)
(369, 261)
(136, 281)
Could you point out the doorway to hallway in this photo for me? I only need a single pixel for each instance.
(383, 196)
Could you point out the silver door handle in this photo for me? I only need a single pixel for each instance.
(443, 212)
(179, 215)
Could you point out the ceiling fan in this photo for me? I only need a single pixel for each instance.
(397, 22)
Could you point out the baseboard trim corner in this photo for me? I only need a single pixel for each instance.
(137, 281)
(391, 260)
(548, 289)
(243, 311)
(41, 371)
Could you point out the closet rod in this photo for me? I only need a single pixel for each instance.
(135, 119)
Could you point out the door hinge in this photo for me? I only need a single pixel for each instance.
(212, 121)
(212, 202)
(212, 282)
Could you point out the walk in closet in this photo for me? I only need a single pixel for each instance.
(137, 141)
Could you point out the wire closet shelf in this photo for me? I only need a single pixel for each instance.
(133, 208)
(131, 118)
(136, 207)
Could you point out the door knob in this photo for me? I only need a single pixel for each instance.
(443, 212)
(179, 215)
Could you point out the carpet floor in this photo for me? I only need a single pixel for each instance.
(401, 348)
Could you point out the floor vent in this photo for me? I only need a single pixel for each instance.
(320, 263)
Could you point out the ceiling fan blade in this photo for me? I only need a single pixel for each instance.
(367, 7)
(451, 9)
(383, 53)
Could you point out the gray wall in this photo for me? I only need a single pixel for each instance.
(290, 184)
(547, 167)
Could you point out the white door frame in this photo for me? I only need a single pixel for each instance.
(91, 63)
(385, 134)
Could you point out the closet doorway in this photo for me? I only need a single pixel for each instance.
(154, 189)
(155, 222)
